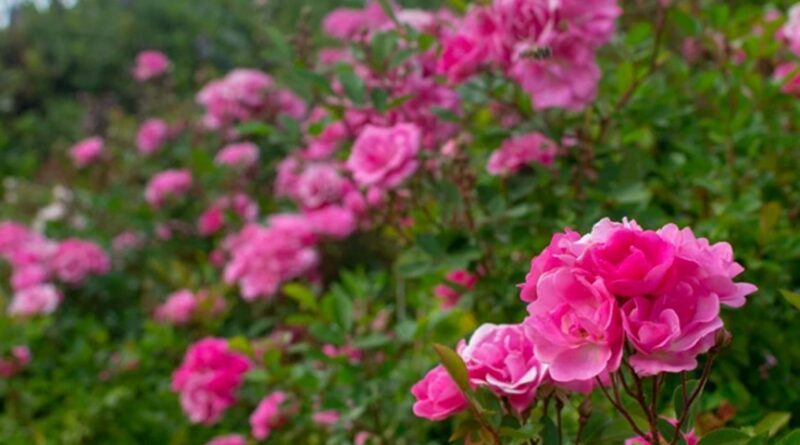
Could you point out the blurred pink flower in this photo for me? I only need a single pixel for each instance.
(518, 152)
(167, 184)
(385, 157)
(268, 415)
(150, 64)
(151, 136)
(242, 154)
(75, 260)
(86, 151)
(35, 300)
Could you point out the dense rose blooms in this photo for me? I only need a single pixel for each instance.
(326, 143)
(230, 439)
(462, 279)
(476, 44)
(385, 157)
(521, 151)
(347, 23)
(560, 252)
(631, 262)
(245, 94)
(790, 31)
(318, 185)
(326, 418)
(333, 221)
(437, 396)
(150, 64)
(151, 136)
(42, 299)
(178, 309)
(788, 85)
(501, 357)
(23, 277)
(263, 258)
(86, 151)
(267, 415)
(74, 260)
(216, 216)
(242, 154)
(167, 184)
(12, 236)
(208, 379)
(575, 325)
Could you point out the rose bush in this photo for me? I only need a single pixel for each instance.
(506, 221)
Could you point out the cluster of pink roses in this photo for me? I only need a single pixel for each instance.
(658, 291)
(246, 94)
(547, 46)
(37, 261)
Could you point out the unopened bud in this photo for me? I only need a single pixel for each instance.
(723, 339)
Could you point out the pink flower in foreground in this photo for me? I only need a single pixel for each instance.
(42, 299)
(456, 282)
(385, 157)
(150, 64)
(86, 151)
(267, 415)
(75, 260)
(560, 252)
(167, 184)
(501, 357)
(437, 396)
(789, 85)
(521, 151)
(326, 418)
(230, 439)
(242, 154)
(475, 45)
(208, 379)
(575, 325)
(790, 31)
(178, 309)
(151, 136)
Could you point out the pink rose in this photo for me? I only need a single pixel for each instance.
(502, 358)
(575, 325)
(561, 252)
(230, 439)
(267, 415)
(178, 309)
(346, 23)
(86, 151)
(75, 260)
(243, 154)
(150, 64)
(790, 31)
(333, 221)
(41, 299)
(462, 279)
(167, 184)
(151, 136)
(788, 74)
(208, 379)
(438, 396)
(631, 262)
(477, 44)
(318, 185)
(518, 152)
(385, 157)
(326, 418)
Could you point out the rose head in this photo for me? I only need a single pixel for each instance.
(150, 64)
(74, 260)
(86, 151)
(268, 415)
(151, 136)
(178, 309)
(41, 299)
(385, 157)
(438, 396)
(242, 154)
(575, 325)
(167, 184)
(502, 358)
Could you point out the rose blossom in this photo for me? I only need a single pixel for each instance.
(151, 136)
(318, 185)
(477, 44)
(150, 64)
(385, 157)
(438, 396)
(333, 221)
(575, 325)
(208, 379)
(518, 152)
(267, 415)
(169, 183)
(790, 31)
(41, 299)
(86, 151)
(242, 154)
(178, 309)
(326, 418)
(230, 439)
(502, 358)
(788, 85)
(75, 260)
(348, 23)
(450, 294)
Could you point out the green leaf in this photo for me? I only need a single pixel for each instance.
(667, 431)
(792, 297)
(302, 294)
(678, 402)
(343, 310)
(241, 344)
(353, 86)
(772, 423)
(793, 438)
(725, 436)
(454, 365)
